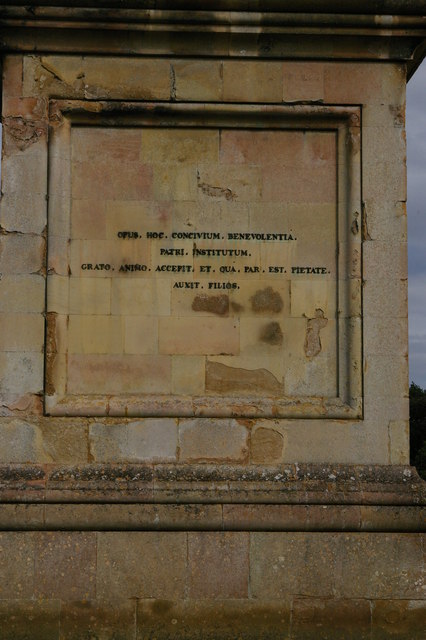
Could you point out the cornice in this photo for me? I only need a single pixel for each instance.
(281, 29)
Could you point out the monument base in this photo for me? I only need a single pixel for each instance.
(200, 551)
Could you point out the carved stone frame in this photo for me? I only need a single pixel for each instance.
(345, 122)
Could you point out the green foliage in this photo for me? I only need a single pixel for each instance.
(418, 428)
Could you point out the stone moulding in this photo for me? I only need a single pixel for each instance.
(344, 123)
(203, 497)
(234, 28)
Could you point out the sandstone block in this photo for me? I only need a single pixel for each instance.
(267, 446)
(39, 617)
(95, 334)
(173, 146)
(289, 184)
(16, 567)
(20, 442)
(218, 565)
(133, 181)
(21, 254)
(222, 183)
(262, 148)
(385, 336)
(64, 442)
(23, 212)
(61, 76)
(89, 296)
(140, 334)
(248, 81)
(12, 75)
(98, 619)
(380, 566)
(188, 375)
(118, 145)
(340, 619)
(116, 374)
(292, 563)
(21, 332)
(208, 440)
(399, 435)
(20, 373)
(197, 80)
(214, 336)
(387, 299)
(144, 216)
(352, 83)
(224, 619)
(144, 440)
(132, 78)
(22, 294)
(152, 299)
(303, 81)
(141, 565)
(398, 619)
(88, 218)
(386, 375)
(65, 564)
(23, 173)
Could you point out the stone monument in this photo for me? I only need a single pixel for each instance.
(203, 365)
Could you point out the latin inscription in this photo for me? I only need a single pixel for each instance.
(210, 269)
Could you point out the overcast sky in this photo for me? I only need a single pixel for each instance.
(416, 159)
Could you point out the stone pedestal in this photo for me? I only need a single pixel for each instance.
(203, 358)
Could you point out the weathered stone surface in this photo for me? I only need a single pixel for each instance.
(141, 565)
(218, 565)
(207, 440)
(21, 254)
(221, 378)
(16, 566)
(266, 446)
(207, 620)
(98, 619)
(65, 565)
(196, 80)
(250, 81)
(19, 442)
(144, 440)
(22, 294)
(282, 564)
(35, 619)
(334, 619)
(398, 619)
(386, 566)
(212, 388)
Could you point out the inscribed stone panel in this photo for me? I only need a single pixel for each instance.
(200, 266)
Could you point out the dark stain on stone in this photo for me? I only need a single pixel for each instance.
(215, 192)
(212, 304)
(267, 300)
(398, 113)
(272, 333)
(355, 225)
(223, 379)
(172, 83)
(51, 351)
(235, 306)
(312, 340)
(161, 607)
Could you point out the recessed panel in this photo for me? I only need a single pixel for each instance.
(200, 269)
